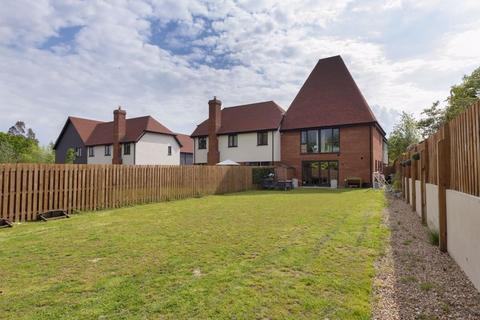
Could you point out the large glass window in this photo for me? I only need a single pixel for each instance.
(320, 140)
(232, 140)
(202, 143)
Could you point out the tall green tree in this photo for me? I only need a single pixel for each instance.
(404, 134)
(20, 145)
(432, 119)
(463, 95)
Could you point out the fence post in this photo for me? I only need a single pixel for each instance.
(407, 184)
(423, 181)
(414, 178)
(443, 174)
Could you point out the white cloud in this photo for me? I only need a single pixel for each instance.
(270, 48)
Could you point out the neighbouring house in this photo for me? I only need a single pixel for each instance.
(328, 134)
(186, 151)
(247, 134)
(141, 140)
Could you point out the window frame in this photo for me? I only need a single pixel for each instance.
(125, 149)
(260, 135)
(108, 150)
(78, 152)
(304, 141)
(233, 140)
(91, 152)
(169, 150)
(200, 145)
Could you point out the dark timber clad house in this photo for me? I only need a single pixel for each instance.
(328, 134)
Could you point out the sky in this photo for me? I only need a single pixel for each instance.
(168, 58)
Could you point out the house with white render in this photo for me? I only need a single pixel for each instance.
(247, 134)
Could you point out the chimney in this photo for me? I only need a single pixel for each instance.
(214, 124)
(119, 131)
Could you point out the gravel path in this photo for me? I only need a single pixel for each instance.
(414, 279)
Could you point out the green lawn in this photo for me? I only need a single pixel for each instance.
(305, 254)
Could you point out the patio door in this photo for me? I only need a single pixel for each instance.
(320, 173)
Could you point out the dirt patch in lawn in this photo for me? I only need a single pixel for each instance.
(414, 279)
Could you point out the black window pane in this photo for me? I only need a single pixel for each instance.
(312, 141)
(326, 140)
(202, 143)
(336, 140)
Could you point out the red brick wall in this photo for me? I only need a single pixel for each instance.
(377, 147)
(354, 158)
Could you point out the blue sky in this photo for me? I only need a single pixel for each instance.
(168, 58)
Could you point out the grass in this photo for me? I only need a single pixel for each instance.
(278, 255)
(433, 237)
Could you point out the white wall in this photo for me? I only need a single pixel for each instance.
(129, 158)
(100, 158)
(99, 155)
(463, 229)
(200, 154)
(432, 206)
(418, 197)
(152, 148)
(247, 150)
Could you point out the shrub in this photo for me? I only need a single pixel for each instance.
(434, 237)
(260, 173)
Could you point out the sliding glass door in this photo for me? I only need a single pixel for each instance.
(320, 173)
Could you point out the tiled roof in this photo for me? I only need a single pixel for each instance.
(103, 132)
(246, 118)
(329, 97)
(186, 141)
(94, 132)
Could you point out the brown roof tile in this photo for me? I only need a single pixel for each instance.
(329, 97)
(246, 118)
(186, 141)
(103, 132)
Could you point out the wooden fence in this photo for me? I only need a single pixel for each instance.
(29, 189)
(450, 159)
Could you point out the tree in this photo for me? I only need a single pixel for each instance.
(404, 134)
(433, 120)
(70, 156)
(463, 95)
(18, 129)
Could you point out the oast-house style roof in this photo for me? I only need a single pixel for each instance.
(246, 118)
(329, 97)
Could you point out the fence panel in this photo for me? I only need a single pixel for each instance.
(465, 151)
(26, 189)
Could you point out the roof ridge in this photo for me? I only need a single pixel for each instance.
(248, 104)
(86, 119)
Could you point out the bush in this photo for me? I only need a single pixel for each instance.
(258, 174)
(434, 237)
(397, 183)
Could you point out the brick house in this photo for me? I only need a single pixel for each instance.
(328, 134)
(141, 140)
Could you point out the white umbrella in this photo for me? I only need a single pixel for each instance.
(228, 163)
